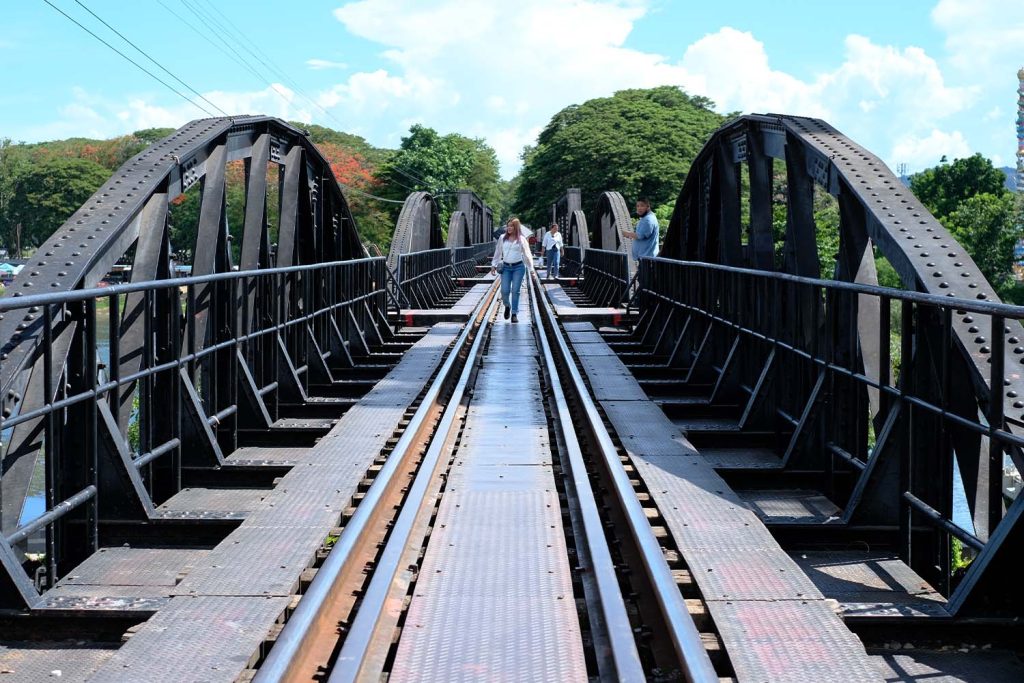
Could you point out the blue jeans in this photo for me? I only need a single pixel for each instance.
(554, 259)
(511, 281)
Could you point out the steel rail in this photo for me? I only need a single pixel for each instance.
(352, 660)
(293, 639)
(622, 657)
(693, 657)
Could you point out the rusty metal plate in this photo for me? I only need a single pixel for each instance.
(794, 640)
(210, 639)
(791, 506)
(134, 567)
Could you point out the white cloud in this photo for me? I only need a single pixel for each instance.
(509, 67)
(983, 37)
(320, 64)
(923, 151)
(517, 63)
(92, 115)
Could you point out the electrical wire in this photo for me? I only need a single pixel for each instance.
(146, 55)
(238, 36)
(230, 29)
(129, 59)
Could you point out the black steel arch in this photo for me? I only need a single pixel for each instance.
(609, 220)
(418, 228)
(876, 211)
(460, 231)
(129, 215)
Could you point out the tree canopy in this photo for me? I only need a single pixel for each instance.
(969, 197)
(943, 187)
(46, 194)
(639, 142)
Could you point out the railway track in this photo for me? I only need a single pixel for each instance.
(568, 573)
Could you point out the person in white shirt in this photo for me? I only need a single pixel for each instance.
(512, 254)
(553, 250)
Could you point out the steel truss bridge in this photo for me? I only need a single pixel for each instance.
(306, 463)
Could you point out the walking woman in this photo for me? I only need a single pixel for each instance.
(553, 250)
(511, 259)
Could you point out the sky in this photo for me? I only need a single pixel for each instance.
(911, 80)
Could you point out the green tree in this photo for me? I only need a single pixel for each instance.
(989, 226)
(47, 194)
(945, 186)
(638, 142)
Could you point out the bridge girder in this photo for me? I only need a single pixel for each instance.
(130, 215)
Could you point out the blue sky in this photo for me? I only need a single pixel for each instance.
(911, 80)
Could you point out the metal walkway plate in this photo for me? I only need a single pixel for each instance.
(791, 506)
(494, 598)
(228, 602)
(134, 567)
(871, 584)
(930, 666)
(67, 662)
(209, 639)
(558, 296)
(774, 622)
(742, 458)
(237, 501)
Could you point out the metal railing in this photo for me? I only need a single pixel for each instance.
(605, 277)
(869, 388)
(425, 277)
(572, 262)
(466, 259)
(116, 416)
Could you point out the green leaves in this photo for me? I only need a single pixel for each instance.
(639, 142)
(970, 199)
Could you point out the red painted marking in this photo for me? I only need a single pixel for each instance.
(616, 319)
(408, 319)
(574, 283)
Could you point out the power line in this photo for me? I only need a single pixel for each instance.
(243, 41)
(129, 59)
(237, 57)
(143, 53)
(371, 196)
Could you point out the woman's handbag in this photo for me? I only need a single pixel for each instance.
(500, 267)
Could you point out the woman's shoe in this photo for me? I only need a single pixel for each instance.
(515, 318)
(508, 312)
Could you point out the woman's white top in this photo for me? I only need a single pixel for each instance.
(512, 251)
(552, 240)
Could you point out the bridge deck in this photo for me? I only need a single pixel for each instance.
(498, 592)
(215, 607)
(496, 569)
(774, 622)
